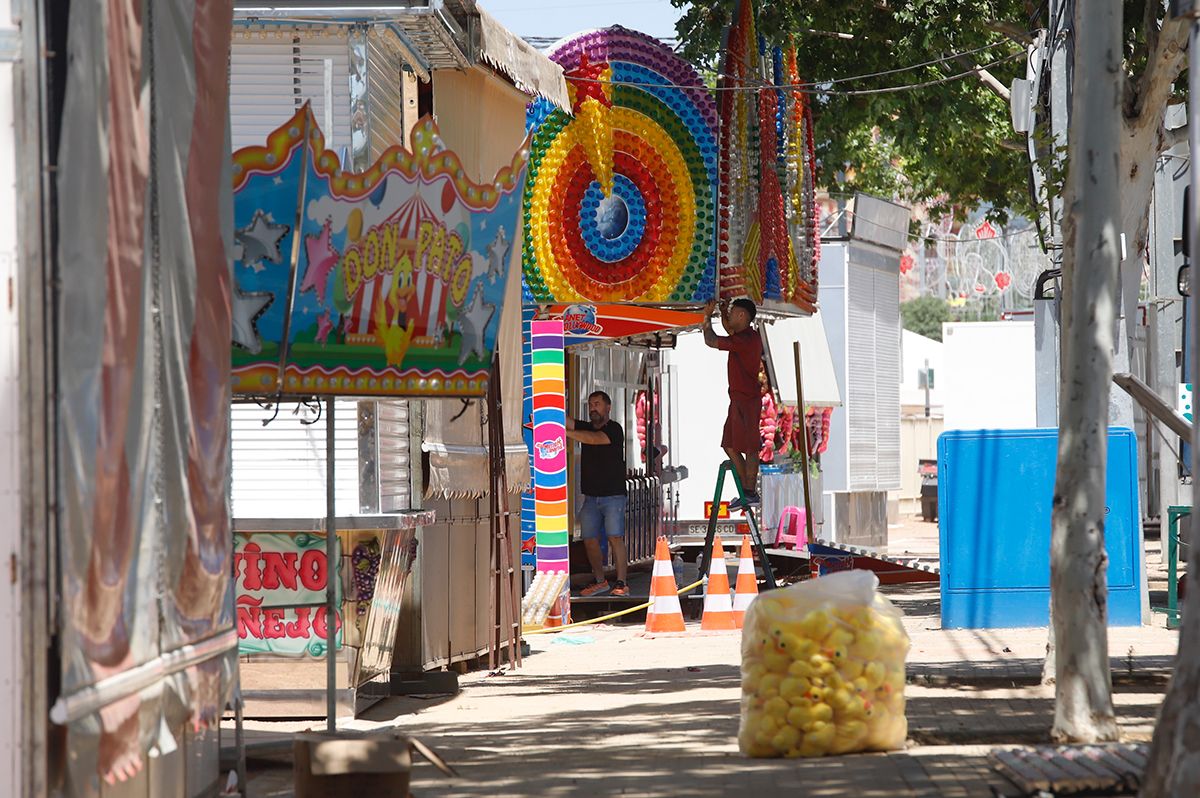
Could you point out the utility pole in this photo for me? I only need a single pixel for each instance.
(1166, 309)
(1051, 59)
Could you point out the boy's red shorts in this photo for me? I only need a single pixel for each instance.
(741, 425)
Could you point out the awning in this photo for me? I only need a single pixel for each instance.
(816, 364)
(528, 69)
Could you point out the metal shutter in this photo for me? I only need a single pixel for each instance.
(887, 375)
(279, 469)
(862, 381)
(384, 97)
(273, 73)
(395, 466)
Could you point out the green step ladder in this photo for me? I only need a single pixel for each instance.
(755, 535)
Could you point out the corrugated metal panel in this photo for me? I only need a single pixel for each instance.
(395, 464)
(861, 387)
(384, 97)
(887, 379)
(279, 469)
(270, 78)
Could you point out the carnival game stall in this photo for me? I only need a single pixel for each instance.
(652, 196)
(379, 283)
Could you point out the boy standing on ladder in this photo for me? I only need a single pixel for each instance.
(740, 440)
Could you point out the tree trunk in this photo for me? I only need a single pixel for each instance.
(1174, 765)
(1079, 585)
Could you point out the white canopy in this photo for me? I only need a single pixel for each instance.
(816, 364)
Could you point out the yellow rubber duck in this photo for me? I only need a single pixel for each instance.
(819, 741)
(768, 685)
(849, 736)
(786, 738)
(815, 625)
(794, 687)
(777, 663)
(801, 715)
(822, 712)
(851, 668)
(801, 668)
(874, 674)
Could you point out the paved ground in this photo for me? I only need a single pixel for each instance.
(607, 711)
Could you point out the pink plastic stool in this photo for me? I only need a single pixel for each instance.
(793, 528)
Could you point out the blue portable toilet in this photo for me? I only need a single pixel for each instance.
(995, 489)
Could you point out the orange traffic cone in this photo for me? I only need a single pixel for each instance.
(664, 613)
(718, 604)
(746, 587)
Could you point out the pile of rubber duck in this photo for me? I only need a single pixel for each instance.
(823, 670)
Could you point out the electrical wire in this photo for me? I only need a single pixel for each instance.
(807, 88)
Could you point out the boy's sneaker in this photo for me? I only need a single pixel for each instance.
(738, 504)
(620, 589)
(753, 500)
(595, 589)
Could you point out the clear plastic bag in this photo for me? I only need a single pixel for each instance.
(823, 670)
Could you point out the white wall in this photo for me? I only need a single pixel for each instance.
(703, 402)
(914, 351)
(987, 378)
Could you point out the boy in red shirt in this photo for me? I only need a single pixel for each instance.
(741, 440)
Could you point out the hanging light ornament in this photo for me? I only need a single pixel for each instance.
(767, 211)
(621, 195)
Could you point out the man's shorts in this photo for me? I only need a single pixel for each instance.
(602, 516)
(741, 425)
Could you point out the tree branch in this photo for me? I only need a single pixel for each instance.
(1174, 137)
(1012, 30)
(987, 78)
(1163, 66)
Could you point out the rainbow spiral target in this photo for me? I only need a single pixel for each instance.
(644, 123)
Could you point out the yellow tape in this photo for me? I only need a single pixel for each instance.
(602, 618)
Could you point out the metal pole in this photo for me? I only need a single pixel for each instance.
(927, 407)
(332, 569)
(808, 514)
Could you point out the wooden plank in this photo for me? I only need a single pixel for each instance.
(1026, 775)
(1120, 767)
(1082, 760)
(1075, 776)
(1137, 754)
(1061, 778)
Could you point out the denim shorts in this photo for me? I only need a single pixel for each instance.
(602, 516)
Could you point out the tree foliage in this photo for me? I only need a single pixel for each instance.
(925, 316)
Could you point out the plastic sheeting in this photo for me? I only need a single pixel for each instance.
(145, 220)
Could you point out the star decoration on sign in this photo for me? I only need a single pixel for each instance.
(498, 253)
(322, 257)
(260, 241)
(472, 323)
(324, 327)
(248, 308)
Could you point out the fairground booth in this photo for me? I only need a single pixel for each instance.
(651, 195)
(376, 361)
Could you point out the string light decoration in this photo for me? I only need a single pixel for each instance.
(768, 241)
(621, 198)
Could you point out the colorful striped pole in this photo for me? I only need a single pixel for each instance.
(549, 445)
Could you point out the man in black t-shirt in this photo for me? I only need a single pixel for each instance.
(602, 482)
